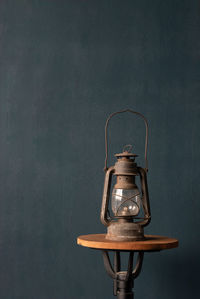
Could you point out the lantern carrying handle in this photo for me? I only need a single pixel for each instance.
(106, 135)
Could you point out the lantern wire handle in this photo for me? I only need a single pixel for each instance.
(106, 135)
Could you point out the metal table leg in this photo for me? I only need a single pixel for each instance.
(123, 280)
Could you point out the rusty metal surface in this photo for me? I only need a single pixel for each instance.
(125, 165)
(105, 200)
(145, 198)
(125, 182)
(125, 231)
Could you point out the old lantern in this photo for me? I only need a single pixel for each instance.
(129, 200)
(125, 212)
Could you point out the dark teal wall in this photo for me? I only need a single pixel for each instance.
(64, 67)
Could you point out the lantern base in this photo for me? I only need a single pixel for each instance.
(125, 231)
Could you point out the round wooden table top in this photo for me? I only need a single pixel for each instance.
(150, 243)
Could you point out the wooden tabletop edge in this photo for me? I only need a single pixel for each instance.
(146, 245)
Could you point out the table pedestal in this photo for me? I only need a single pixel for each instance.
(123, 280)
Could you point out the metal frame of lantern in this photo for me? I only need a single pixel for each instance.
(125, 226)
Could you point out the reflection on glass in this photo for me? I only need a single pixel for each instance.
(126, 202)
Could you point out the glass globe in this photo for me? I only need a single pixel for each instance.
(126, 202)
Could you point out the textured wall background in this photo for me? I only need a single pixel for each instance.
(64, 67)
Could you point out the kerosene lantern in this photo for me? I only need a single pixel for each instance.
(129, 201)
